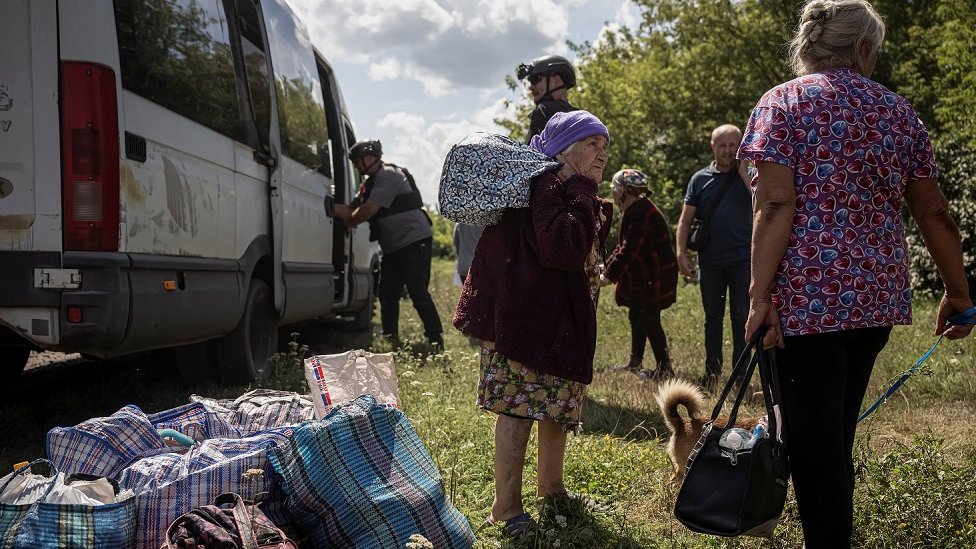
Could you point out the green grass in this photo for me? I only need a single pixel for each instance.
(916, 455)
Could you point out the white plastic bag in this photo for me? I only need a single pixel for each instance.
(338, 378)
(24, 488)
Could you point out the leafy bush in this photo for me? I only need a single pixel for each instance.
(289, 367)
(912, 497)
(957, 163)
(443, 229)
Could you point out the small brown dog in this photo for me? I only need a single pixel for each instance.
(685, 432)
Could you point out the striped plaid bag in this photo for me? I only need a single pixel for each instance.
(360, 477)
(168, 485)
(43, 525)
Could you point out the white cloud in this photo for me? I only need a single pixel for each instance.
(421, 74)
(442, 44)
(421, 146)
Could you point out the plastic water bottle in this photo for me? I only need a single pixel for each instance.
(758, 432)
(735, 438)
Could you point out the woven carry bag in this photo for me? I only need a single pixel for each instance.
(484, 174)
(738, 492)
(42, 525)
(362, 478)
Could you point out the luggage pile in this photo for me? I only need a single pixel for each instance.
(258, 471)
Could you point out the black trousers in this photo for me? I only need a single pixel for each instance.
(410, 267)
(716, 283)
(823, 379)
(645, 325)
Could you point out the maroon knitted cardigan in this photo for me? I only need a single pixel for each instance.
(644, 265)
(526, 290)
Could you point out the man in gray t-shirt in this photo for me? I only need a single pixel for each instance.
(390, 202)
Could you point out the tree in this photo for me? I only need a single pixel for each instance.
(692, 65)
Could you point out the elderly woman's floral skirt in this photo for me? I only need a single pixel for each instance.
(511, 388)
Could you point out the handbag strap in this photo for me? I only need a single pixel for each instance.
(729, 180)
(769, 377)
(744, 366)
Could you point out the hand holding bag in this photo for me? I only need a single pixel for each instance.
(739, 491)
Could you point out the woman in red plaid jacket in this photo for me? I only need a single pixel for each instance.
(645, 270)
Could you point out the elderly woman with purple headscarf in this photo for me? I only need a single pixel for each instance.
(530, 297)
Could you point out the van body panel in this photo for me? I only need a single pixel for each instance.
(198, 187)
(29, 130)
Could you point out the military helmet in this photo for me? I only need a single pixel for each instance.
(549, 64)
(369, 147)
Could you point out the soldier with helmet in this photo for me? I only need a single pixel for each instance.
(549, 79)
(391, 203)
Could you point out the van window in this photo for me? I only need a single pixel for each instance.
(255, 68)
(177, 54)
(300, 104)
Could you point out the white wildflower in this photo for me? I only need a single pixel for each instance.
(418, 541)
(561, 521)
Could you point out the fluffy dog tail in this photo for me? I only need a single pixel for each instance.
(678, 392)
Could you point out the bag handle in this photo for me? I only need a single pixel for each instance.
(242, 517)
(53, 476)
(744, 366)
(769, 377)
(752, 356)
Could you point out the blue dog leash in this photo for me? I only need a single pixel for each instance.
(966, 317)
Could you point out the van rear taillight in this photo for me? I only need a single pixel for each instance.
(90, 157)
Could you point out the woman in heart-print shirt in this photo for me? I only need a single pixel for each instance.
(836, 153)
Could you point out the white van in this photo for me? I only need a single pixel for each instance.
(167, 170)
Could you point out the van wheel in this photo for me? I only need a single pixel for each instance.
(244, 355)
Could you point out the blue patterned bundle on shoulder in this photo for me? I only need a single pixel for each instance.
(486, 173)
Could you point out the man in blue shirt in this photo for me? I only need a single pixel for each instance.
(724, 263)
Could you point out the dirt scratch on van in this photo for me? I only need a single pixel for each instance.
(179, 200)
(131, 186)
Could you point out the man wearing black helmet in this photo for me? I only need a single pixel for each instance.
(549, 79)
(390, 202)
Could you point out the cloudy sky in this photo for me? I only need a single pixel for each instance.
(419, 75)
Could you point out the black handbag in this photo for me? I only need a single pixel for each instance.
(698, 233)
(738, 492)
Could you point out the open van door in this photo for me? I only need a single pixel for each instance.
(30, 179)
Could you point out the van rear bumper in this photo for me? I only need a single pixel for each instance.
(39, 315)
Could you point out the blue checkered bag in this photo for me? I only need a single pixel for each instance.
(168, 485)
(42, 525)
(103, 446)
(361, 477)
(484, 174)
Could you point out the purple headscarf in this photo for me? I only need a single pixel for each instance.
(566, 128)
